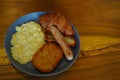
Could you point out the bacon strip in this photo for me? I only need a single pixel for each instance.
(62, 42)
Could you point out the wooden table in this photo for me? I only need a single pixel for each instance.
(89, 16)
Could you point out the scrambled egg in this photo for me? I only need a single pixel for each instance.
(26, 41)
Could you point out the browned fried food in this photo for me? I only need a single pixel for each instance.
(58, 26)
(69, 39)
(62, 42)
(58, 20)
(49, 37)
(48, 57)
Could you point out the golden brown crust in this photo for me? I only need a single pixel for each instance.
(47, 58)
(57, 20)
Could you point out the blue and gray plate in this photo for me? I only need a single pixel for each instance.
(28, 68)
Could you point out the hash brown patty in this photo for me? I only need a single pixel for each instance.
(47, 58)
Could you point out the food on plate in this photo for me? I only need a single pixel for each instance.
(62, 42)
(58, 20)
(58, 26)
(43, 45)
(49, 37)
(28, 38)
(69, 39)
(47, 58)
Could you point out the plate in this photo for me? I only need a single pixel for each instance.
(28, 68)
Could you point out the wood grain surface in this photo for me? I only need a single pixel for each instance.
(91, 17)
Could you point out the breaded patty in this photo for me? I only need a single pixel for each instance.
(47, 58)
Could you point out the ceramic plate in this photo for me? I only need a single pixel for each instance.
(28, 68)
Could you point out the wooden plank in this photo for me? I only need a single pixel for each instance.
(90, 17)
